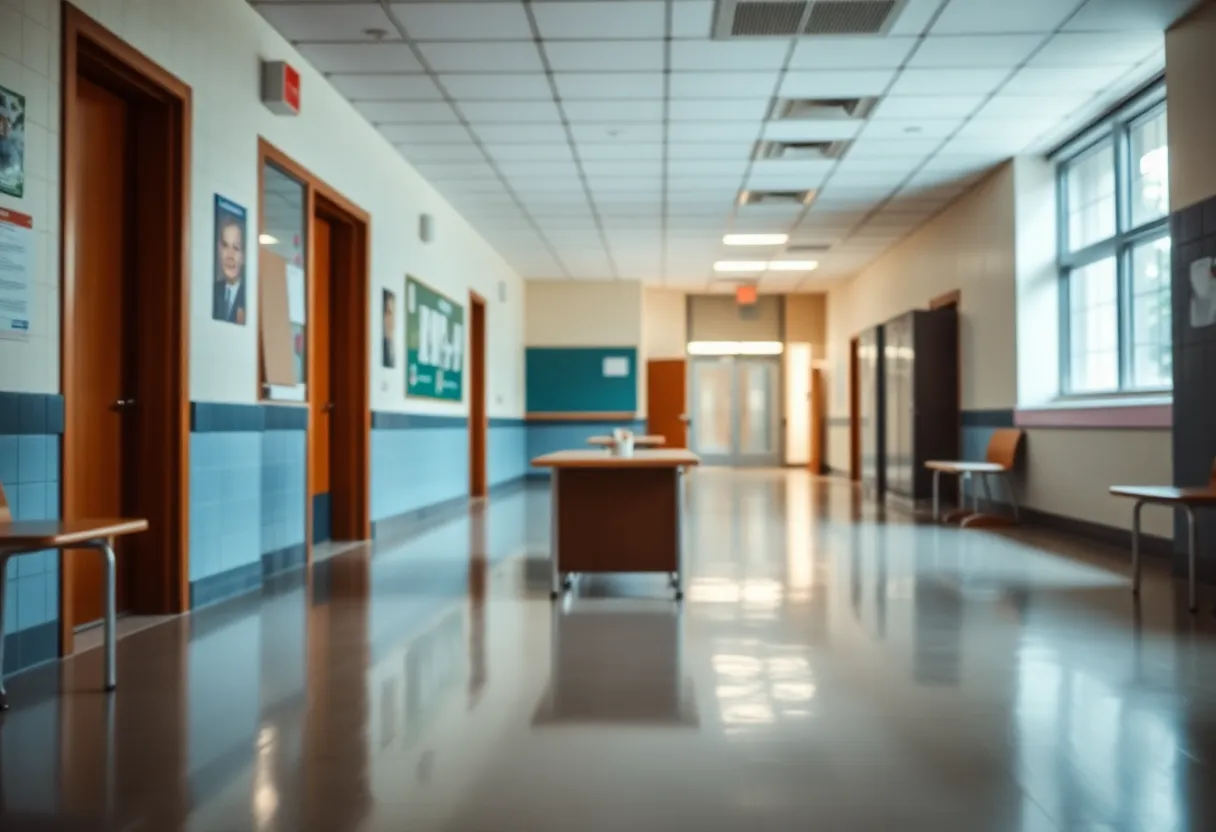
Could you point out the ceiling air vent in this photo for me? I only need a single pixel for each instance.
(852, 109)
(807, 248)
(802, 151)
(775, 197)
(801, 18)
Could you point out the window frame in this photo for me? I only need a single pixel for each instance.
(1115, 128)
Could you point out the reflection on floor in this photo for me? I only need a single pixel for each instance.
(834, 667)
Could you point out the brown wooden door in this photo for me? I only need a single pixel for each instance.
(666, 399)
(817, 414)
(104, 300)
(320, 395)
(477, 398)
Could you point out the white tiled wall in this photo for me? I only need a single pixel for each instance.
(214, 46)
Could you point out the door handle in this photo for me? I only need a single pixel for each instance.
(122, 404)
(329, 407)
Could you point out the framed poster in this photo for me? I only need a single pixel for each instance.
(388, 349)
(434, 344)
(12, 143)
(228, 284)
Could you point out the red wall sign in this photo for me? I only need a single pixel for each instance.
(281, 88)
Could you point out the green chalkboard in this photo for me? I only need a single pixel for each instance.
(434, 344)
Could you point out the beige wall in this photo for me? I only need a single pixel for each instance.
(806, 320)
(664, 323)
(582, 313)
(1191, 116)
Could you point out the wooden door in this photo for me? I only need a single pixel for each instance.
(666, 399)
(477, 397)
(817, 409)
(103, 333)
(320, 396)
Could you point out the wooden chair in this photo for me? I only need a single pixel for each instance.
(1000, 459)
(26, 537)
(1187, 499)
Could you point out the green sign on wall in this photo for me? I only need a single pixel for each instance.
(434, 342)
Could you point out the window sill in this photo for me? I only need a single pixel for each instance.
(1144, 412)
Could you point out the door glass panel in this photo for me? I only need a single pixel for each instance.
(756, 401)
(711, 416)
(284, 232)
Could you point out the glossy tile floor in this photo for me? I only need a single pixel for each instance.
(831, 669)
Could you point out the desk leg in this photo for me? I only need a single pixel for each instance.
(1013, 498)
(1136, 547)
(937, 495)
(1192, 541)
(3, 592)
(555, 576)
(678, 582)
(111, 626)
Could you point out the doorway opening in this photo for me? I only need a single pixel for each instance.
(736, 404)
(125, 306)
(337, 354)
(854, 412)
(478, 422)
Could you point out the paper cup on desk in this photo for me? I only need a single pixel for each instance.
(622, 442)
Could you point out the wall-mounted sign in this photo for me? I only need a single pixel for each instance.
(1203, 293)
(434, 341)
(616, 366)
(16, 273)
(281, 88)
(12, 143)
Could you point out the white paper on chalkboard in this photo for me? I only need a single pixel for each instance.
(616, 366)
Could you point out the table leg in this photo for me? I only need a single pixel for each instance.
(555, 576)
(1192, 541)
(1013, 498)
(3, 592)
(1136, 547)
(937, 495)
(106, 548)
(987, 490)
(678, 584)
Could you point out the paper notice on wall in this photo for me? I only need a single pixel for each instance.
(16, 274)
(616, 366)
(297, 301)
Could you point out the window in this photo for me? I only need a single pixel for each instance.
(1115, 254)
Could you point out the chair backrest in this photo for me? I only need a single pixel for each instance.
(6, 513)
(1003, 446)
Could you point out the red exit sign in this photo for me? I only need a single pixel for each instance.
(281, 88)
(745, 295)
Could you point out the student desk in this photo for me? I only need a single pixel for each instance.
(616, 513)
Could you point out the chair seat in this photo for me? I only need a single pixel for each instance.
(962, 467)
(57, 534)
(1166, 493)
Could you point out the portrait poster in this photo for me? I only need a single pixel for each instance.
(388, 350)
(12, 143)
(434, 343)
(228, 302)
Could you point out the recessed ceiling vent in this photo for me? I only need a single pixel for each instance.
(775, 197)
(802, 18)
(807, 248)
(801, 151)
(846, 109)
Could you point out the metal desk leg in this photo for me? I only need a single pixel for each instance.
(111, 636)
(1192, 541)
(3, 592)
(555, 587)
(1136, 547)
(1013, 498)
(987, 491)
(678, 583)
(937, 496)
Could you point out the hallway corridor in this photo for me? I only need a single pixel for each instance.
(831, 669)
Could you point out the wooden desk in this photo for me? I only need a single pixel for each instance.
(616, 514)
(1188, 499)
(638, 441)
(26, 537)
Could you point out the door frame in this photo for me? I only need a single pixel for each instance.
(478, 420)
(350, 371)
(952, 300)
(734, 458)
(854, 410)
(91, 50)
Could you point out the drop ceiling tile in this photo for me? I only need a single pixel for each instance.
(891, 165)
(599, 112)
(710, 150)
(1010, 106)
(557, 152)
(948, 81)
(723, 85)
(361, 57)
(497, 87)
(515, 133)
(407, 112)
(617, 132)
(915, 17)
(976, 51)
(647, 185)
(1128, 15)
(328, 22)
(1021, 129)
(994, 146)
(870, 151)
(502, 56)
(1121, 49)
(792, 182)
(605, 56)
(387, 87)
(854, 84)
(455, 170)
(914, 129)
(600, 19)
(530, 169)
(533, 187)
(510, 112)
(927, 106)
(726, 56)
(753, 110)
(785, 168)
(875, 180)
(456, 21)
(839, 53)
(630, 86)
(441, 152)
(638, 167)
(424, 133)
(692, 18)
(608, 151)
(715, 167)
(811, 130)
(1046, 81)
(712, 131)
(970, 17)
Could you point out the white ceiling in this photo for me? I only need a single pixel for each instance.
(594, 139)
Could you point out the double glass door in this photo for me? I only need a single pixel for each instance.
(736, 410)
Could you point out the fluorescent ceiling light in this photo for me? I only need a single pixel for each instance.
(267, 240)
(740, 266)
(793, 265)
(756, 239)
(735, 348)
